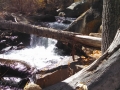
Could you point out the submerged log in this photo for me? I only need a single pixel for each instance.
(102, 74)
(64, 36)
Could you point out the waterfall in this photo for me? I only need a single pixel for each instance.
(41, 41)
(40, 53)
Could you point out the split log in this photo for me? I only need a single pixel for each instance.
(102, 74)
(64, 36)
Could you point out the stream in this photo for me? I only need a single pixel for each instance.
(41, 52)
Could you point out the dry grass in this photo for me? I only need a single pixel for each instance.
(31, 6)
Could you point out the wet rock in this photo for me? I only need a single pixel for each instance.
(15, 40)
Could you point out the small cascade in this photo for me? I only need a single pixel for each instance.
(38, 41)
(41, 41)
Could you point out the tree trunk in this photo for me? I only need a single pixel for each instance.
(65, 36)
(111, 18)
(102, 74)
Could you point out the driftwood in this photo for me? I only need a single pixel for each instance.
(64, 36)
(102, 74)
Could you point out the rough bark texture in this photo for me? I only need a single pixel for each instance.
(111, 22)
(65, 36)
(102, 74)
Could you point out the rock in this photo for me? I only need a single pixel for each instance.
(54, 75)
(81, 87)
(32, 86)
(75, 9)
(61, 14)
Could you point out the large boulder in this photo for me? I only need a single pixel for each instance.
(76, 9)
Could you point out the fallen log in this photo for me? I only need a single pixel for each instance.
(65, 36)
(102, 74)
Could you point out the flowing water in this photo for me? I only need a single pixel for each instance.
(41, 52)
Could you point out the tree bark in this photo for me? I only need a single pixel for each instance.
(65, 36)
(102, 74)
(111, 18)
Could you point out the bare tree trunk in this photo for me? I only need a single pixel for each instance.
(102, 74)
(111, 18)
(65, 36)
